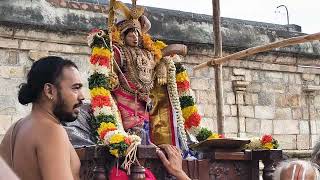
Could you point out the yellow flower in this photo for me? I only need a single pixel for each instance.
(157, 54)
(214, 136)
(159, 45)
(101, 52)
(268, 146)
(182, 76)
(114, 152)
(188, 111)
(117, 138)
(99, 91)
(105, 126)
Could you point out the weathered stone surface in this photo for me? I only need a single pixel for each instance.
(266, 127)
(55, 47)
(230, 98)
(239, 72)
(36, 55)
(232, 125)
(227, 86)
(242, 124)
(289, 60)
(6, 31)
(12, 72)
(9, 43)
(287, 141)
(308, 77)
(210, 110)
(246, 111)
(226, 109)
(266, 98)
(283, 113)
(303, 142)
(70, 38)
(264, 112)
(254, 87)
(206, 96)
(314, 140)
(274, 75)
(8, 57)
(200, 84)
(296, 113)
(288, 100)
(239, 97)
(233, 109)
(209, 123)
(313, 126)
(253, 125)
(8, 105)
(286, 126)
(304, 127)
(5, 123)
(9, 87)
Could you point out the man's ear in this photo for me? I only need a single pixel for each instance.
(50, 91)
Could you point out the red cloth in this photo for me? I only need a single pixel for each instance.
(122, 175)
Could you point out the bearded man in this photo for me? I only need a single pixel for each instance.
(37, 146)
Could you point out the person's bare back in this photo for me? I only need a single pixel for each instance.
(41, 142)
(37, 147)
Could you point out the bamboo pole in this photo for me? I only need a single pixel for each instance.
(258, 49)
(218, 67)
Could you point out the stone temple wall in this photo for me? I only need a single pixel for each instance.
(275, 92)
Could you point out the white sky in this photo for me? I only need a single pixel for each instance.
(305, 13)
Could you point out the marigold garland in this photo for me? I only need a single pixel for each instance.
(154, 47)
(106, 122)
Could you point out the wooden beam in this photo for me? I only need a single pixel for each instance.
(218, 67)
(258, 49)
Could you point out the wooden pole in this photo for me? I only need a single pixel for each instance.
(258, 49)
(218, 67)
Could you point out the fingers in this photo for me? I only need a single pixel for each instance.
(163, 158)
(172, 151)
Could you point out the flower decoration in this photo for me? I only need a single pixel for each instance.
(154, 47)
(187, 102)
(106, 121)
(265, 142)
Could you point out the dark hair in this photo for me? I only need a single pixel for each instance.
(45, 70)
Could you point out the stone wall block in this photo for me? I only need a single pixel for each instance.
(286, 141)
(9, 43)
(303, 142)
(264, 112)
(246, 111)
(286, 127)
(283, 113)
(253, 125)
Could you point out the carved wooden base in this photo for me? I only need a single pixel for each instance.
(216, 165)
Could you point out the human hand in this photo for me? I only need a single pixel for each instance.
(173, 163)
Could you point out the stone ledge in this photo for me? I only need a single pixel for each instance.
(300, 154)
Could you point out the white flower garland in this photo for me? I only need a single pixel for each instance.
(174, 98)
